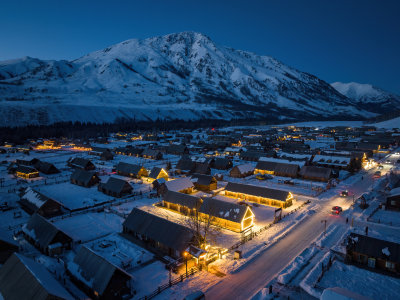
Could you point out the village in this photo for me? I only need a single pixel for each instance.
(164, 215)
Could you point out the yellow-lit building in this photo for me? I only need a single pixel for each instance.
(260, 195)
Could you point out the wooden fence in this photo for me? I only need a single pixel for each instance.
(172, 282)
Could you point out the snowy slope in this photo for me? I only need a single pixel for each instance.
(367, 94)
(184, 75)
(389, 124)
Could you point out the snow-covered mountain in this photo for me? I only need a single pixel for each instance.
(183, 75)
(368, 95)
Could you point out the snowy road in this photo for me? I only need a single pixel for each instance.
(255, 274)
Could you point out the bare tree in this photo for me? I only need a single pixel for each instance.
(202, 226)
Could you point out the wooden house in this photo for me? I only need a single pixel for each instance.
(332, 161)
(204, 183)
(24, 162)
(373, 253)
(81, 163)
(242, 171)
(315, 173)
(115, 187)
(35, 202)
(221, 163)
(251, 155)
(185, 165)
(177, 149)
(46, 168)
(258, 194)
(157, 173)
(84, 178)
(131, 170)
(168, 237)
(98, 277)
(102, 153)
(152, 154)
(227, 215)
(277, 168)
(182, 203)
(45, 236)
(24, 279)
(182, 185)
(26, 172)
(393, 199)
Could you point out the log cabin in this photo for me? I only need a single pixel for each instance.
(205, 183)
(228, 215)
(158, 233)
(258, 194)
(23, 278)
(98, 277)
(115, 187)
(242, 171)
(373, 253)
(84, 178)
(131, 170)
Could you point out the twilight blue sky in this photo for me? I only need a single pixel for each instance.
(339, 40)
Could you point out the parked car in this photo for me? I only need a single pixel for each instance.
(377, 174)
(336, 210)
(289, 182)
(264, 177)
(344, 193)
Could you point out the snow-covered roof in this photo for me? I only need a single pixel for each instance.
(179, 184)
(285, 161)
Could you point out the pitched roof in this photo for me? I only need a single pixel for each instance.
(82, 175)
(155, 172)
(316, 172)
(185, 163)
(223, 209)
(46, 167)
(128, 168)
(80, 162)
(41, 230)
(25, 169)
(115, 185)
(22, 278)
(374, 247)
(257, 191)
(179, 184)
(168, 233)
(245, 168)
(183, 199)
(203, 179)
(279, 168)
(93, 269)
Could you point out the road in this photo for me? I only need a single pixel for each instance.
(257, 273)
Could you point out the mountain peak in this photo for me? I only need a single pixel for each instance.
(179, 75)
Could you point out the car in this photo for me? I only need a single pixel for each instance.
(264, 177)
(289, 182)
(336, 210)
(377, 174)
(380, 167)
(344, 193)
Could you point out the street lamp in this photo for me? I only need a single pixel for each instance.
(185, 255)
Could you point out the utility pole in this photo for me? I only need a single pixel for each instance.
(324, 221)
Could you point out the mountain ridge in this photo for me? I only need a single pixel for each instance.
(176, 76)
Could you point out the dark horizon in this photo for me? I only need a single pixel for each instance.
(355, 41)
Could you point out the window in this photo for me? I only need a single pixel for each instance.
(389, 265)
(371, 262)
(393, 202)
